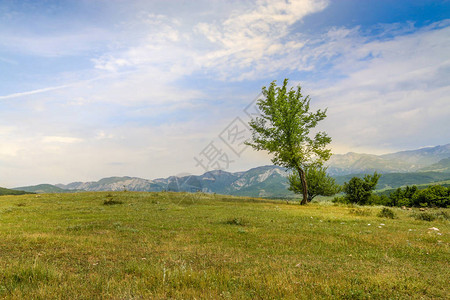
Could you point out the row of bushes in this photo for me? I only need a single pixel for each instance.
(432, 196)
(360, 191)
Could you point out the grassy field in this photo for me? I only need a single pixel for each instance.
(198, 246)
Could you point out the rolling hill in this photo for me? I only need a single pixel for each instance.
(43, 188)
(5, 191)
(442, 166)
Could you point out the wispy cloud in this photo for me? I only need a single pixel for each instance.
(33, 92)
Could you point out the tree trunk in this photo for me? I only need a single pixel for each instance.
(301, 173)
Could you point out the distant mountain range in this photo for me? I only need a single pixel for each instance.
(267, 181)
(425, 159)
(420, 166)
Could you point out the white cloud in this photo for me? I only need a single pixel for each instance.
(240, 44)
(247, 41)
(393, 100)
(160, 47)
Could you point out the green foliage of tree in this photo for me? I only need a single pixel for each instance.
(402, 197)
(435, 195)
(319, 183)
(283, 129)
(359, 190)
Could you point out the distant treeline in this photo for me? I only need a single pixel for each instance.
(360, 191)
(395, 180)
(431, 196)
(4, 191)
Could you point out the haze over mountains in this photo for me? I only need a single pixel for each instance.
(425, 159)
(420, 166)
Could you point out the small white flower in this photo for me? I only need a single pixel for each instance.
(382, 224)
(368, 224)
(433, 228)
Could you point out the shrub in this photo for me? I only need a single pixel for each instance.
(340, 199)
(360, 212)
(404, 202)
(429, 216)
(111, 202)
(442, 215)
(425, 216)
(375, 199)
(358, 190)
(386, 213)
(236, 221)
(435, 195)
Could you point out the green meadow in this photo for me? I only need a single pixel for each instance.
(137, 245)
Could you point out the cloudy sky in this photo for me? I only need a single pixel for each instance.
(91, 89)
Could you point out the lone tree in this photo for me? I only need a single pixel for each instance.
(283, 130)
(319, 183)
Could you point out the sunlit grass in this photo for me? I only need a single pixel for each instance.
(179, 245)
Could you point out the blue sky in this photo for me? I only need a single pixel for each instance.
(90, 89)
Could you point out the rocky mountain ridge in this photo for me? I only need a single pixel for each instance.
(271, 181)
(403, 161)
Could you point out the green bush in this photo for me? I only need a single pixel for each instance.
(424, 216)
(360, 212)
(432, 196)
(435, 195)
(442, 215)
(431, 216)
(386, 213)
(404, 202)
(359, 190)
(111, 202)
(340, 199)
(383, 200)
(236, 221)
